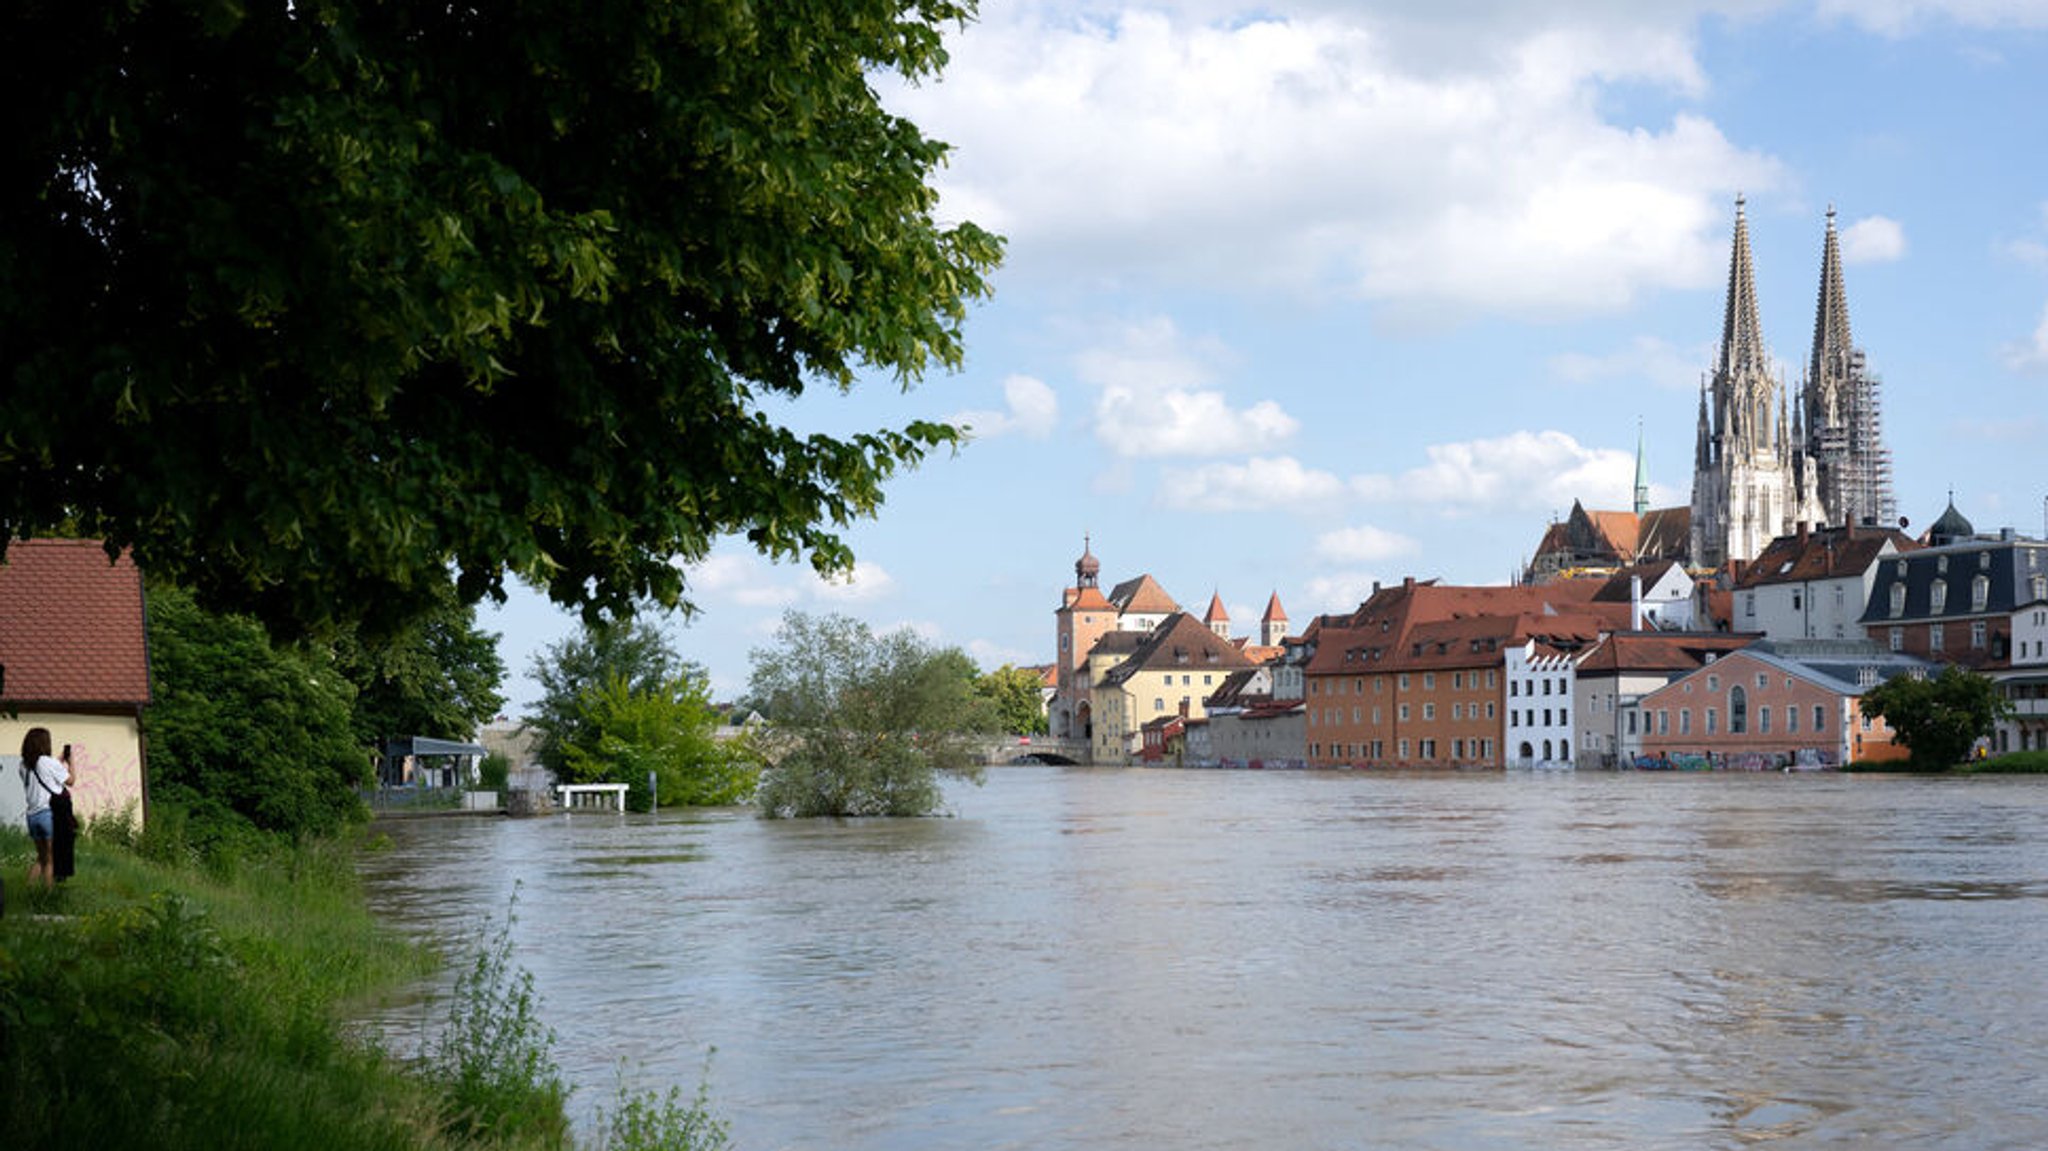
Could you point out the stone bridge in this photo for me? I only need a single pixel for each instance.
(1034, 749)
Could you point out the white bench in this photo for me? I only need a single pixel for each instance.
(570, 791)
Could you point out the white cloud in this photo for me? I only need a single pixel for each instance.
(741, 578)
(1646, 359)
(1897, 18)
(1523, 470)
(1256, 484)
(1365, 544)
(1436, 162)
(865, 583)
(1154, 399)
(1873, 240)
(1334, 592)
(989, 655)
(2030, 355)
(1032, 410)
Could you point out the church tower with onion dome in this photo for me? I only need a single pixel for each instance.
(1084, 616)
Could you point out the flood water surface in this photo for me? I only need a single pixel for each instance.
(1143, 959)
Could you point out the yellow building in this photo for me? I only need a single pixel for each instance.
(1169, 671)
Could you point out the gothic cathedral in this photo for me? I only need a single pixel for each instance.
(1762, 466)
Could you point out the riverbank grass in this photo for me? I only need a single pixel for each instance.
(176, 1005)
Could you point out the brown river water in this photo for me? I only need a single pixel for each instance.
(1152, 959)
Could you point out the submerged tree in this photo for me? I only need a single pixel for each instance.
(320, 306)
(1937, 719)
(864, 724)
(632, 654)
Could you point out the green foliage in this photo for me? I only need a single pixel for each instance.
(163, 1008)
(665, 730)
(2015, 763)
(319, 306)
(1937, 719)
(494, 1058)
(646, 1121)
(494, 773)
(631, 651)
(245, 736)
(864, 725)
(1019, 699)
(437, 676)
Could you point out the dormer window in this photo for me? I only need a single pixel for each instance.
(1940, 598)
(1898, 599)
(1980, 592)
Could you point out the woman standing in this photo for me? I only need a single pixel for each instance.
(46, 780)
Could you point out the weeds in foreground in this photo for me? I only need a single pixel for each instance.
(495, 1057)
(181, 1007)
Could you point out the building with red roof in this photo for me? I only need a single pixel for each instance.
(74, 658)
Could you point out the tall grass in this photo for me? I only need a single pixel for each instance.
(200, 1004)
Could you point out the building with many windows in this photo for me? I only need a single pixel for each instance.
(1774, 706)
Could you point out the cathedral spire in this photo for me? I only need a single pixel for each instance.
(1831, 341)
(1742, 340)
(1701, 453)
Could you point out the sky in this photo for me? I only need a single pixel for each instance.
(1308, 294)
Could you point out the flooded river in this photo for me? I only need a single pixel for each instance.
(1158, 959)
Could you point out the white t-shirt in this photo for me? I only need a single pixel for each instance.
(48, 771)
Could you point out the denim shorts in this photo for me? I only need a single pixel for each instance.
(42, 825)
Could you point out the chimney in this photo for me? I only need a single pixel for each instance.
(1635, 603)
(1407, 583)
(1802, 535)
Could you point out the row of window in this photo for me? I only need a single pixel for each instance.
(1528, 718)
(1460, 681)
(1937, 636)
(1528, 687)
(1462, 750)
(1658, 721)
(1330, 716)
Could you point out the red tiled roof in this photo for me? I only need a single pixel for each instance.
(1830, 553)
(71, 628)
(1179, 642)
(1142, 596)
(1660, 651)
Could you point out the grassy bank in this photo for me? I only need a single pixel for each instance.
(2015, 763)
(174, 1005)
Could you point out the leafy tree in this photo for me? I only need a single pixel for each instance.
(633, 652)
(439, 677)
(245, 734)
(322, 306)
(1018, 696)
(1937, 719)
(665, 731)
(864, 724)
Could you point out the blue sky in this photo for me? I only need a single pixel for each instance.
(1303, 295)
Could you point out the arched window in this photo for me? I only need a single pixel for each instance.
(1898, 599)
(1546, 751)
(1738, 711)
(1980, 592)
